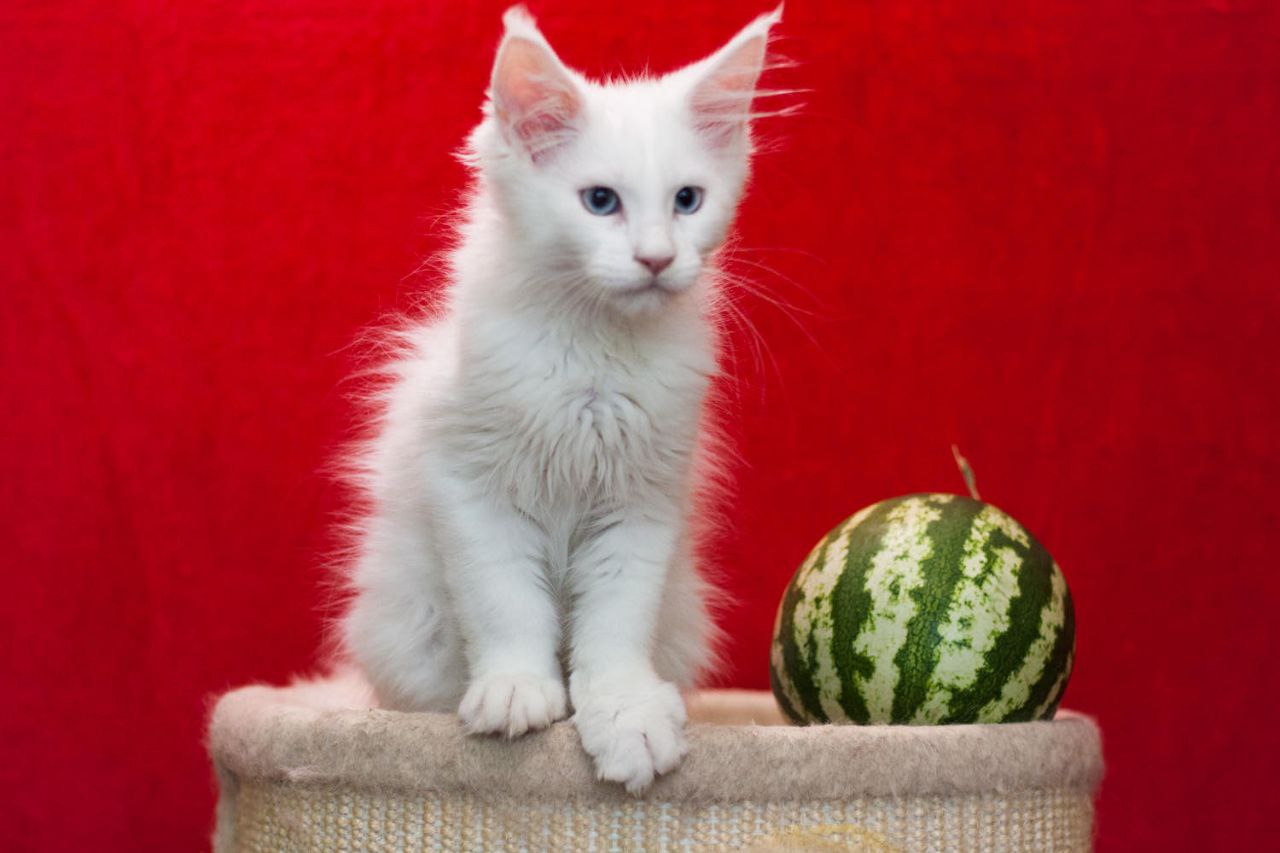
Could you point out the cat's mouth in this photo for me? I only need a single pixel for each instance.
(653, 285)
(645, 298)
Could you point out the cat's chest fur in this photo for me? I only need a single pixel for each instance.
(557, 417)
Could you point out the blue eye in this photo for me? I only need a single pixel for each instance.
(688, 199)
(601, 201)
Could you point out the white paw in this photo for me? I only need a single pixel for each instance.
(511, 704)
(632, 733)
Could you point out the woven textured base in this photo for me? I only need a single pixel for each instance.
(300, 772)
(274, 816)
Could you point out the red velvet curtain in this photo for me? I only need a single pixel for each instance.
(1046, 232)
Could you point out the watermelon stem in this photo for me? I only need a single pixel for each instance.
(966, 471)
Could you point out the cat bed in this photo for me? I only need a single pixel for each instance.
(313, 767)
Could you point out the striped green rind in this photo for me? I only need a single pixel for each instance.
(924, 609)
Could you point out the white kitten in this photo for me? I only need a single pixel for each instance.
(535, 480)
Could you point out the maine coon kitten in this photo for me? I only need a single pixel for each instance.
(534, 479)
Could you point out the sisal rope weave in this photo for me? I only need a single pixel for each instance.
(279, 816)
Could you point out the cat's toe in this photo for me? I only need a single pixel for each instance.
(511, 704)
(634, 735)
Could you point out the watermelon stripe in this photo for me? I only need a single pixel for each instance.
(796, 662)
(850, 598)
(1049, 707)
(815, 610)
(1017, 688)
(920, 652)
(972, 624)
(1045, 693)
(779, 679)
(1025, 612)
(893, 573)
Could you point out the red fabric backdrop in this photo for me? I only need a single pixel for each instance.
(1047, 232)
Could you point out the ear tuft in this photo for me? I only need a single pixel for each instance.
(725, 82)
(517, 21)
(534, 97)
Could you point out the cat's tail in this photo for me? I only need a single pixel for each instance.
(342, 688)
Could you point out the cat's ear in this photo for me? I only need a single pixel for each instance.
(535, 98)
(724, 83)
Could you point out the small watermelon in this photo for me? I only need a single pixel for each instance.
(924, 609)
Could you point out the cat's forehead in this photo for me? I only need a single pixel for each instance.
(628, 105)
(640, 126)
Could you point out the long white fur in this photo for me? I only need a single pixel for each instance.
(535, 479)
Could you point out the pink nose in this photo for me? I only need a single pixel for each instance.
(656, 264)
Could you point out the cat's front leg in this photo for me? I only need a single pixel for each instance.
(507, 617)
(630, 721)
